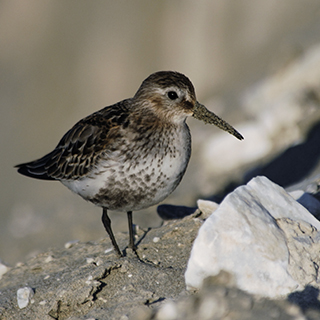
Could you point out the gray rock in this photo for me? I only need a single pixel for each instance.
(83, 281)
(220, 299)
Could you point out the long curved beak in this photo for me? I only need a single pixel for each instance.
(200, 112)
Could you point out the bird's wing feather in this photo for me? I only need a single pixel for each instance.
(81, 147)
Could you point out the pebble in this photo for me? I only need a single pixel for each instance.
(70, 244)
(89, 280)
(98, 262)
(156, 239)
(48, 259)
(103, 300)
(3, 269)
(89, 260)
(207, 207)
(168, 312)
(24, 296)
(108, 250)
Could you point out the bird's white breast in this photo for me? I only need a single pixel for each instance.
(124, 185)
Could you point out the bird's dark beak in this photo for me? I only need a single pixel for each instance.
(200, 112)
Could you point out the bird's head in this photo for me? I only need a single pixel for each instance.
(171, 96)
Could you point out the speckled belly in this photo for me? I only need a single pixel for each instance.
(136, 184)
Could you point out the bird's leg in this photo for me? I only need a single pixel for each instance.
(131, 240)
(107, 224)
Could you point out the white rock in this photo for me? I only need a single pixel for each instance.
(48, 259)
(108, 250)
(24, 296)
(89, 260)
(207, 207)
(167, 312)
(243, 237)
(3, 269)
(156, 239)
(70, 244)
(278, 202)
(296, 194)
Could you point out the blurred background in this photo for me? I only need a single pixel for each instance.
(62, 60)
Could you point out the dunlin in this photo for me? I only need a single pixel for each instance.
(130, 155)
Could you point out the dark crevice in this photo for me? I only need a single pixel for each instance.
(55, 314)
(98, 289)
(148, 303)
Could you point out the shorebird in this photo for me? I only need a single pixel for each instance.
(130, 155)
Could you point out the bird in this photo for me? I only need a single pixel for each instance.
(130, 155)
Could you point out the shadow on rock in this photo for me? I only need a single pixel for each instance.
(172, 212)
(290, 167)
(294, 164)
(306, 299)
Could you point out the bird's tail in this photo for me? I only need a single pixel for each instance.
(36, 169)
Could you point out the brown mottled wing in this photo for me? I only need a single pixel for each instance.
(81, 147)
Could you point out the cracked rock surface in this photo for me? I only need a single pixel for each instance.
(87, 280)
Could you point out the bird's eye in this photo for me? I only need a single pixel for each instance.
(172, 95)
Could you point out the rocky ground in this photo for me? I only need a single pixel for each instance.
(87, 280)
(267, 280)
